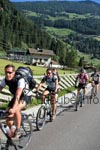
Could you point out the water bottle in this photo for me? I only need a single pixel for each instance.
(4, 128)
(8, 130)
(13, 129)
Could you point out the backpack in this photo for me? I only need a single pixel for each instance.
(58, 77)
(27, 74)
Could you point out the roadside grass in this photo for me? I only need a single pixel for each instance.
(66, 91)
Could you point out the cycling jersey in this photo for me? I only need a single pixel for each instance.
(13, 85)
(95, 77)
(82, 78)
(50, 81)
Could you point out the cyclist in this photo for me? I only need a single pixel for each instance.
(81, 79)
(52, 86)
(18, 102)
(95, 80)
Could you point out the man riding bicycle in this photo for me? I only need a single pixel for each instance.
(52, 86)
(81, 78)
(95, 80)
(18, 102)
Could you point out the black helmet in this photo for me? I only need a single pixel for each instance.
(95, 70)
(82, 70)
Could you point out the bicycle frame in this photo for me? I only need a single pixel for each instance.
(25, 134)
(44, 111)
(81, 95)
(79, 100)
(93, 93)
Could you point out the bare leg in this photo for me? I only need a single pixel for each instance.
(21, 105)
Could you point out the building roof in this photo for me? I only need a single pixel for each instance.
(41, 52)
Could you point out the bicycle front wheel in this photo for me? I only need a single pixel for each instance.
(26, 133)
(41, 118)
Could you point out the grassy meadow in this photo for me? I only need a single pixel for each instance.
(37, 70)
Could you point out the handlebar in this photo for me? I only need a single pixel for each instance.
(3, 114)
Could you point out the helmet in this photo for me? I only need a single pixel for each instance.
(95, 70)
(82, 70)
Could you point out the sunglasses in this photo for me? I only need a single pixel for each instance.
(8, 72)
(48, 72)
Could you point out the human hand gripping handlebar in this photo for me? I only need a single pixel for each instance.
(37, 94)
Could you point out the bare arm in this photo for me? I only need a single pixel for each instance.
(39, 86)
(99, 79)
(56, 85)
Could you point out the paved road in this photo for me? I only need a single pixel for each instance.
(70, 131)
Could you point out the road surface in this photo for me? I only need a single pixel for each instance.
(71, 130)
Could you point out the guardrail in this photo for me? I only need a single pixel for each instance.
(67, 80)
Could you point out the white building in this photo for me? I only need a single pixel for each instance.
(40, 57)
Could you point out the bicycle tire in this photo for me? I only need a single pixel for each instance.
(49, 113)
(73, 98)
(76, 104)
(66, 100)
(41, 118)
(26, 134)
(95, 100)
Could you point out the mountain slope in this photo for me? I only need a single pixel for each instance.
(80, 21)
(17, 31)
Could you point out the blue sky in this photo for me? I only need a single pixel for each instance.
(98, 1)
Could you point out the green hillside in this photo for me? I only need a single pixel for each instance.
(17, 31)
(75, 23)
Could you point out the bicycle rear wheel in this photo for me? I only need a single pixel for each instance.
(95, 100)
(26, 132)
(41, 118)
(76, 104)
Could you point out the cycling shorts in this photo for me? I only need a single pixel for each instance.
(25, 98)
(51, 89)
(81, 86)
(96, 82)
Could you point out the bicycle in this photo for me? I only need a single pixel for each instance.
(79, 100)
(94, 96)
(6, 142)
(44, 113)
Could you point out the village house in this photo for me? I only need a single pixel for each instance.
(38, 57)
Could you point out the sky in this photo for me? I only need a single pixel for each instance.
(98, 1)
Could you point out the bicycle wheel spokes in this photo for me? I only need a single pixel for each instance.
(26, 132)
(41, 118)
